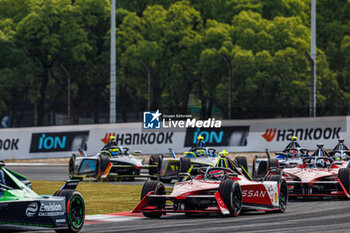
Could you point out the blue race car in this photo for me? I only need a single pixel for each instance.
(291, 156)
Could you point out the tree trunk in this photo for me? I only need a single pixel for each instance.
(42, 99)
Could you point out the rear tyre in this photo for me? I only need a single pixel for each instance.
(159, 189)
(242, 161)
(262, 169)
(344, 177)
(273, 163)
(75, 210)
(283, 191)
(185, 164)
(154, 160)
(231, 193)
(279, 171)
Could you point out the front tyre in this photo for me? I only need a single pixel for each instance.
(231, 193)
(75, 210)
(242, 161)
(283, 191)
(155, 160)
(159, 189)
(185, 164)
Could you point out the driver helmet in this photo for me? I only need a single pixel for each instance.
(293, 143)
(200, 152)
(114, 151)
(321, 163)
(337, 157)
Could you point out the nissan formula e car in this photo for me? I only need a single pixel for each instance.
(318, 177)
(215, 190)
(114, 162)
(22, 209)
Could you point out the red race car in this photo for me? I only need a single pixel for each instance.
(215, 190)
(319, 177)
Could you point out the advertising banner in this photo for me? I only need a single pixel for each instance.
(231, 135)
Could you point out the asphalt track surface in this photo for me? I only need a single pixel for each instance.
(300, 216)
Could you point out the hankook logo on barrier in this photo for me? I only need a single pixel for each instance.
(224, 136)
(140, 138)
(58, 141)
(9, 144)
(301, 133)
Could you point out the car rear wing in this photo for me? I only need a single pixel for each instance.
(70, 184)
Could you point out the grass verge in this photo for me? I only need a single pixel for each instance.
(100, 198)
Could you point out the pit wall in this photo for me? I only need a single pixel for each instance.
(233, 136)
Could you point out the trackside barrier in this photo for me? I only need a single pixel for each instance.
(233, 136)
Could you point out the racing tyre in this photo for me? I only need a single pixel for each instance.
(344, 177)
(254, 173)
(231, 193)
(159, 189)
(71, 166)
(242, 161)
(101, 165)
(154, 160)
(185, 164)
(262, 169)
(283, 191)
(273, 163)
(75, 210)
(279, 171)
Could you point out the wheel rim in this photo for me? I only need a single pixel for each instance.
(283, 196)
(236, 200)
(77, 212)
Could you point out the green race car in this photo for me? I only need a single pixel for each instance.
(22, 209)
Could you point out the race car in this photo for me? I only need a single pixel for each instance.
(223, 191)
(318, 176)
(291, 156)
(340, 154)
(22, 209)
(198, 156)
(112, 162)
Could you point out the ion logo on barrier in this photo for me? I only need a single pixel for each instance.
(61, 141)
(224, 136)
(301, 133)
(151, 120)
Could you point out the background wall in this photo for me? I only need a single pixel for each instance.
(234, 136)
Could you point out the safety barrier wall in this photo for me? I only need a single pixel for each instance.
(234, 136)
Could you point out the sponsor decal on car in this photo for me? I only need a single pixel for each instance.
(253, 193)
(31, 210)
(51, 209)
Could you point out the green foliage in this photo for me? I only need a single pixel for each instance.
(185, 45)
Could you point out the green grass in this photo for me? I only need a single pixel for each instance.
(100, 198)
